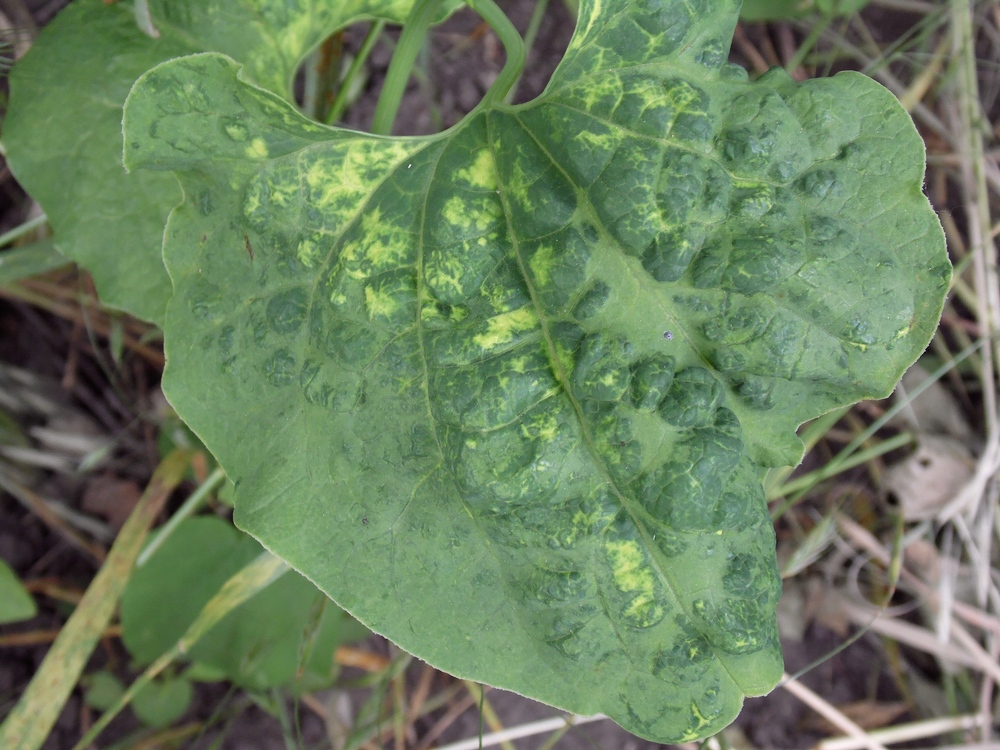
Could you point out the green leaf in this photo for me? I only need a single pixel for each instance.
(103, 690)
(29, 260)
(507, 393)
(258, 644)
(162, 702)
(781, 10)
(16, 603)
(62, 129)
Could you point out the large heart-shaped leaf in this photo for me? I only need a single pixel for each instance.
(507, 393)
(62, 130)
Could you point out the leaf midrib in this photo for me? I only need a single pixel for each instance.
(564, 381)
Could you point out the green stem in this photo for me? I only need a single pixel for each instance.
(412, 40)
(19, 231)
(513, 45)
(189, 507)
(340, 102)
(811, 479)
(808, 45)
(407, 49)
(529, 41)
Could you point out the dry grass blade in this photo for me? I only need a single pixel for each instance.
(27, 726)
(830, 713)
(975, 190)
(918, 730)
(525, 730)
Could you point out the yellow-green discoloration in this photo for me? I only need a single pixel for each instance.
(382, 248)
(237, 132)
(380, 304)
(698, 724)
(308, 252)
(543, 426)
(481, 173)
(681, 96)
(444, 272)
(471, 216)
(541, 264)
(503, 329)
(634, 576)
(257, 149)
(338, 180)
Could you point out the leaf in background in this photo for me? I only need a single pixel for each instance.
(783, 10)
(16, 603)
(102, 690)
(507, 393)
(162, 702)
(62, 129)
(257, 645)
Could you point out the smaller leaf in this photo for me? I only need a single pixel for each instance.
(199, 672)
(160, 704)
(782, 10)
(256, 645)
(16, 603)
(102, 690)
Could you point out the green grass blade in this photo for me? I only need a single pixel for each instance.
(29, 260)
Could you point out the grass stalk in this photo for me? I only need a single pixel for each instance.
(28, 725)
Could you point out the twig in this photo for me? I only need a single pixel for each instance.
(918, 730)
(524, 730)
(827, 711)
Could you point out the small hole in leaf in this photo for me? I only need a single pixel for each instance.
(668, 336)
(459, 62)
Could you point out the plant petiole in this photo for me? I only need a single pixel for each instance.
(412, 39)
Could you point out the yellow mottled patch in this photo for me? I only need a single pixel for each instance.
(543, 426)
(633, 576)
(471, 216)
(481, 173)
(701, 721)
(340, 178)
(595, 140)
(338, 298)
(251, 202)
(308, 251)
(237, 132)
(257, 149)
(379, 304)
(444, 271)
(542, 263)
(502, 329)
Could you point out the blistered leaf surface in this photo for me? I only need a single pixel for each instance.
(62, 130)
(507, 393)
